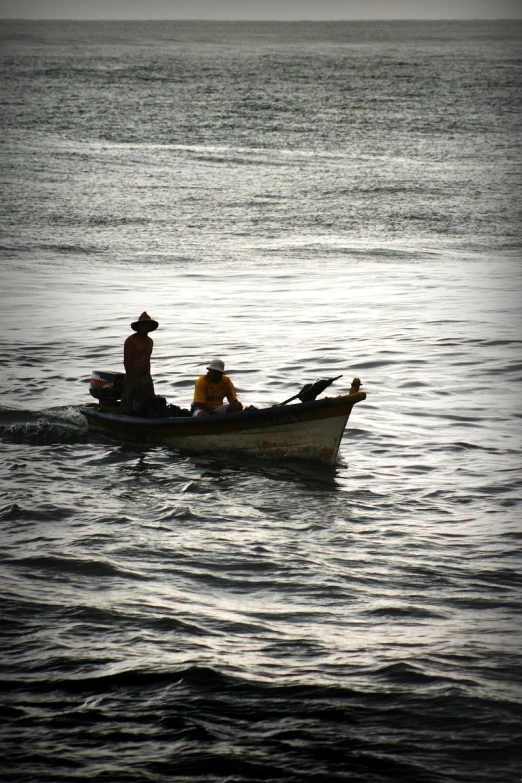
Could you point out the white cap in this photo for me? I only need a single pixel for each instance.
(216, 364)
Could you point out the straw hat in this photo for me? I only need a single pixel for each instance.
(147, 320)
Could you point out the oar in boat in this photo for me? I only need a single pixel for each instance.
(310, 391)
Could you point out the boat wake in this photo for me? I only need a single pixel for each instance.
(55, 426)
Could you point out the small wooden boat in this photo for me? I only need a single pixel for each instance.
(305, 430)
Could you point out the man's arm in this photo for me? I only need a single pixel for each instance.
(128, 352)
(231, 392)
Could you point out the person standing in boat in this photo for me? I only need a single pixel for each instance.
(137, 351)
(211, 389)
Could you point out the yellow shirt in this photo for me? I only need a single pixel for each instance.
(212, 393)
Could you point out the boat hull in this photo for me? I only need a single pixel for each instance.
(310, 430)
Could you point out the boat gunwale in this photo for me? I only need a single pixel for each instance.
(336, 405)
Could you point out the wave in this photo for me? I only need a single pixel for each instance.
(75, 565)
(195, 721)
(42, 428)
(42, 433)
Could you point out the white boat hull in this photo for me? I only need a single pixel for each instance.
(310, 430)
(318, 440)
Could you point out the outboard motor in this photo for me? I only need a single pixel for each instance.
(107, 386)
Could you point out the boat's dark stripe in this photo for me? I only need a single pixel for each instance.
(275, 416)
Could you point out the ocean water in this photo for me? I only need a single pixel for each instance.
(301, 200)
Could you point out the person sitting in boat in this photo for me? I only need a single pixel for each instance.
(211, 389)
(137, 351)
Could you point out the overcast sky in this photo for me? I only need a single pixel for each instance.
(261, 9)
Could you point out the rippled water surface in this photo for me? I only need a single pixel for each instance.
(328, 200)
